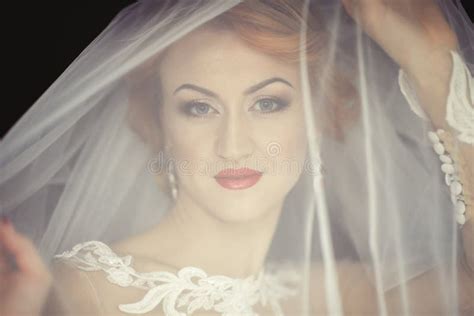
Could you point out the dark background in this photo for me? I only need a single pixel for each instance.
(44, 37)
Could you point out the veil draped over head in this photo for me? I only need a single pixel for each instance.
(90, 160)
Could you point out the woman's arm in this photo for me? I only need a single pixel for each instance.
(416, 35)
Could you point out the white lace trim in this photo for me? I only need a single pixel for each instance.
(191, 287)
(460, 102)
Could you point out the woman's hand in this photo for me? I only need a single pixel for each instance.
(418, 38)
(24, 279)
(411, 31)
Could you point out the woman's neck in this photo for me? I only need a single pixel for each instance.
(192, 236)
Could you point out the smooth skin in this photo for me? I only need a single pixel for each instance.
(395, 25)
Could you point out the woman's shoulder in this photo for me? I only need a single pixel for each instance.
(73, 292)
(99, 277)
(132, 252)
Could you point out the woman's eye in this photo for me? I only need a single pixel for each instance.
(199, 109)
(268, 105)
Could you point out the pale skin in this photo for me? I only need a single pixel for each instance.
(242, 140)
(234, 132)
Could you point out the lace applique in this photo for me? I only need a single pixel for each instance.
(460, 102)
(190, 289)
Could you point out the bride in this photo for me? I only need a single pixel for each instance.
(217, 157)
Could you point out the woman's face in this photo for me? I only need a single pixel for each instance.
(233, 122)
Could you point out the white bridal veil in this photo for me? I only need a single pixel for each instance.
(87, 161)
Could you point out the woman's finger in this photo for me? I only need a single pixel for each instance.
(5, 260)
(3, 265)
(5, 257)
(22, 251)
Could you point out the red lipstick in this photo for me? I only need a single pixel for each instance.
(238, 179)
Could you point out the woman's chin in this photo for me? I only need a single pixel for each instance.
(241, 201)
(244, 206)
(241, 213)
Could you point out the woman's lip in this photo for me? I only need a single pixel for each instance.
(237, 173)
(238, 179)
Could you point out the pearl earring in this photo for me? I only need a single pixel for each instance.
(171, 170)
(172, 180)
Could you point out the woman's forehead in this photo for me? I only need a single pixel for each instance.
(210, 56)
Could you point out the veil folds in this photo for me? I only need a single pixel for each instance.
(86, 162)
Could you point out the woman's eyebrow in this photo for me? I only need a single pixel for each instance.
(250, 90)
(196, 88)
(264, 83)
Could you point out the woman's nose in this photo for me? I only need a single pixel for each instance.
(234, 139)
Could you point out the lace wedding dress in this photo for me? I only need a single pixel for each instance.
(188, 290)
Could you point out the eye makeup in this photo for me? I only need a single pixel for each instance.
(269, 104)
(197, 108)
(265, 105)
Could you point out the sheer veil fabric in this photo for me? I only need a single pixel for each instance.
(336, 176)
